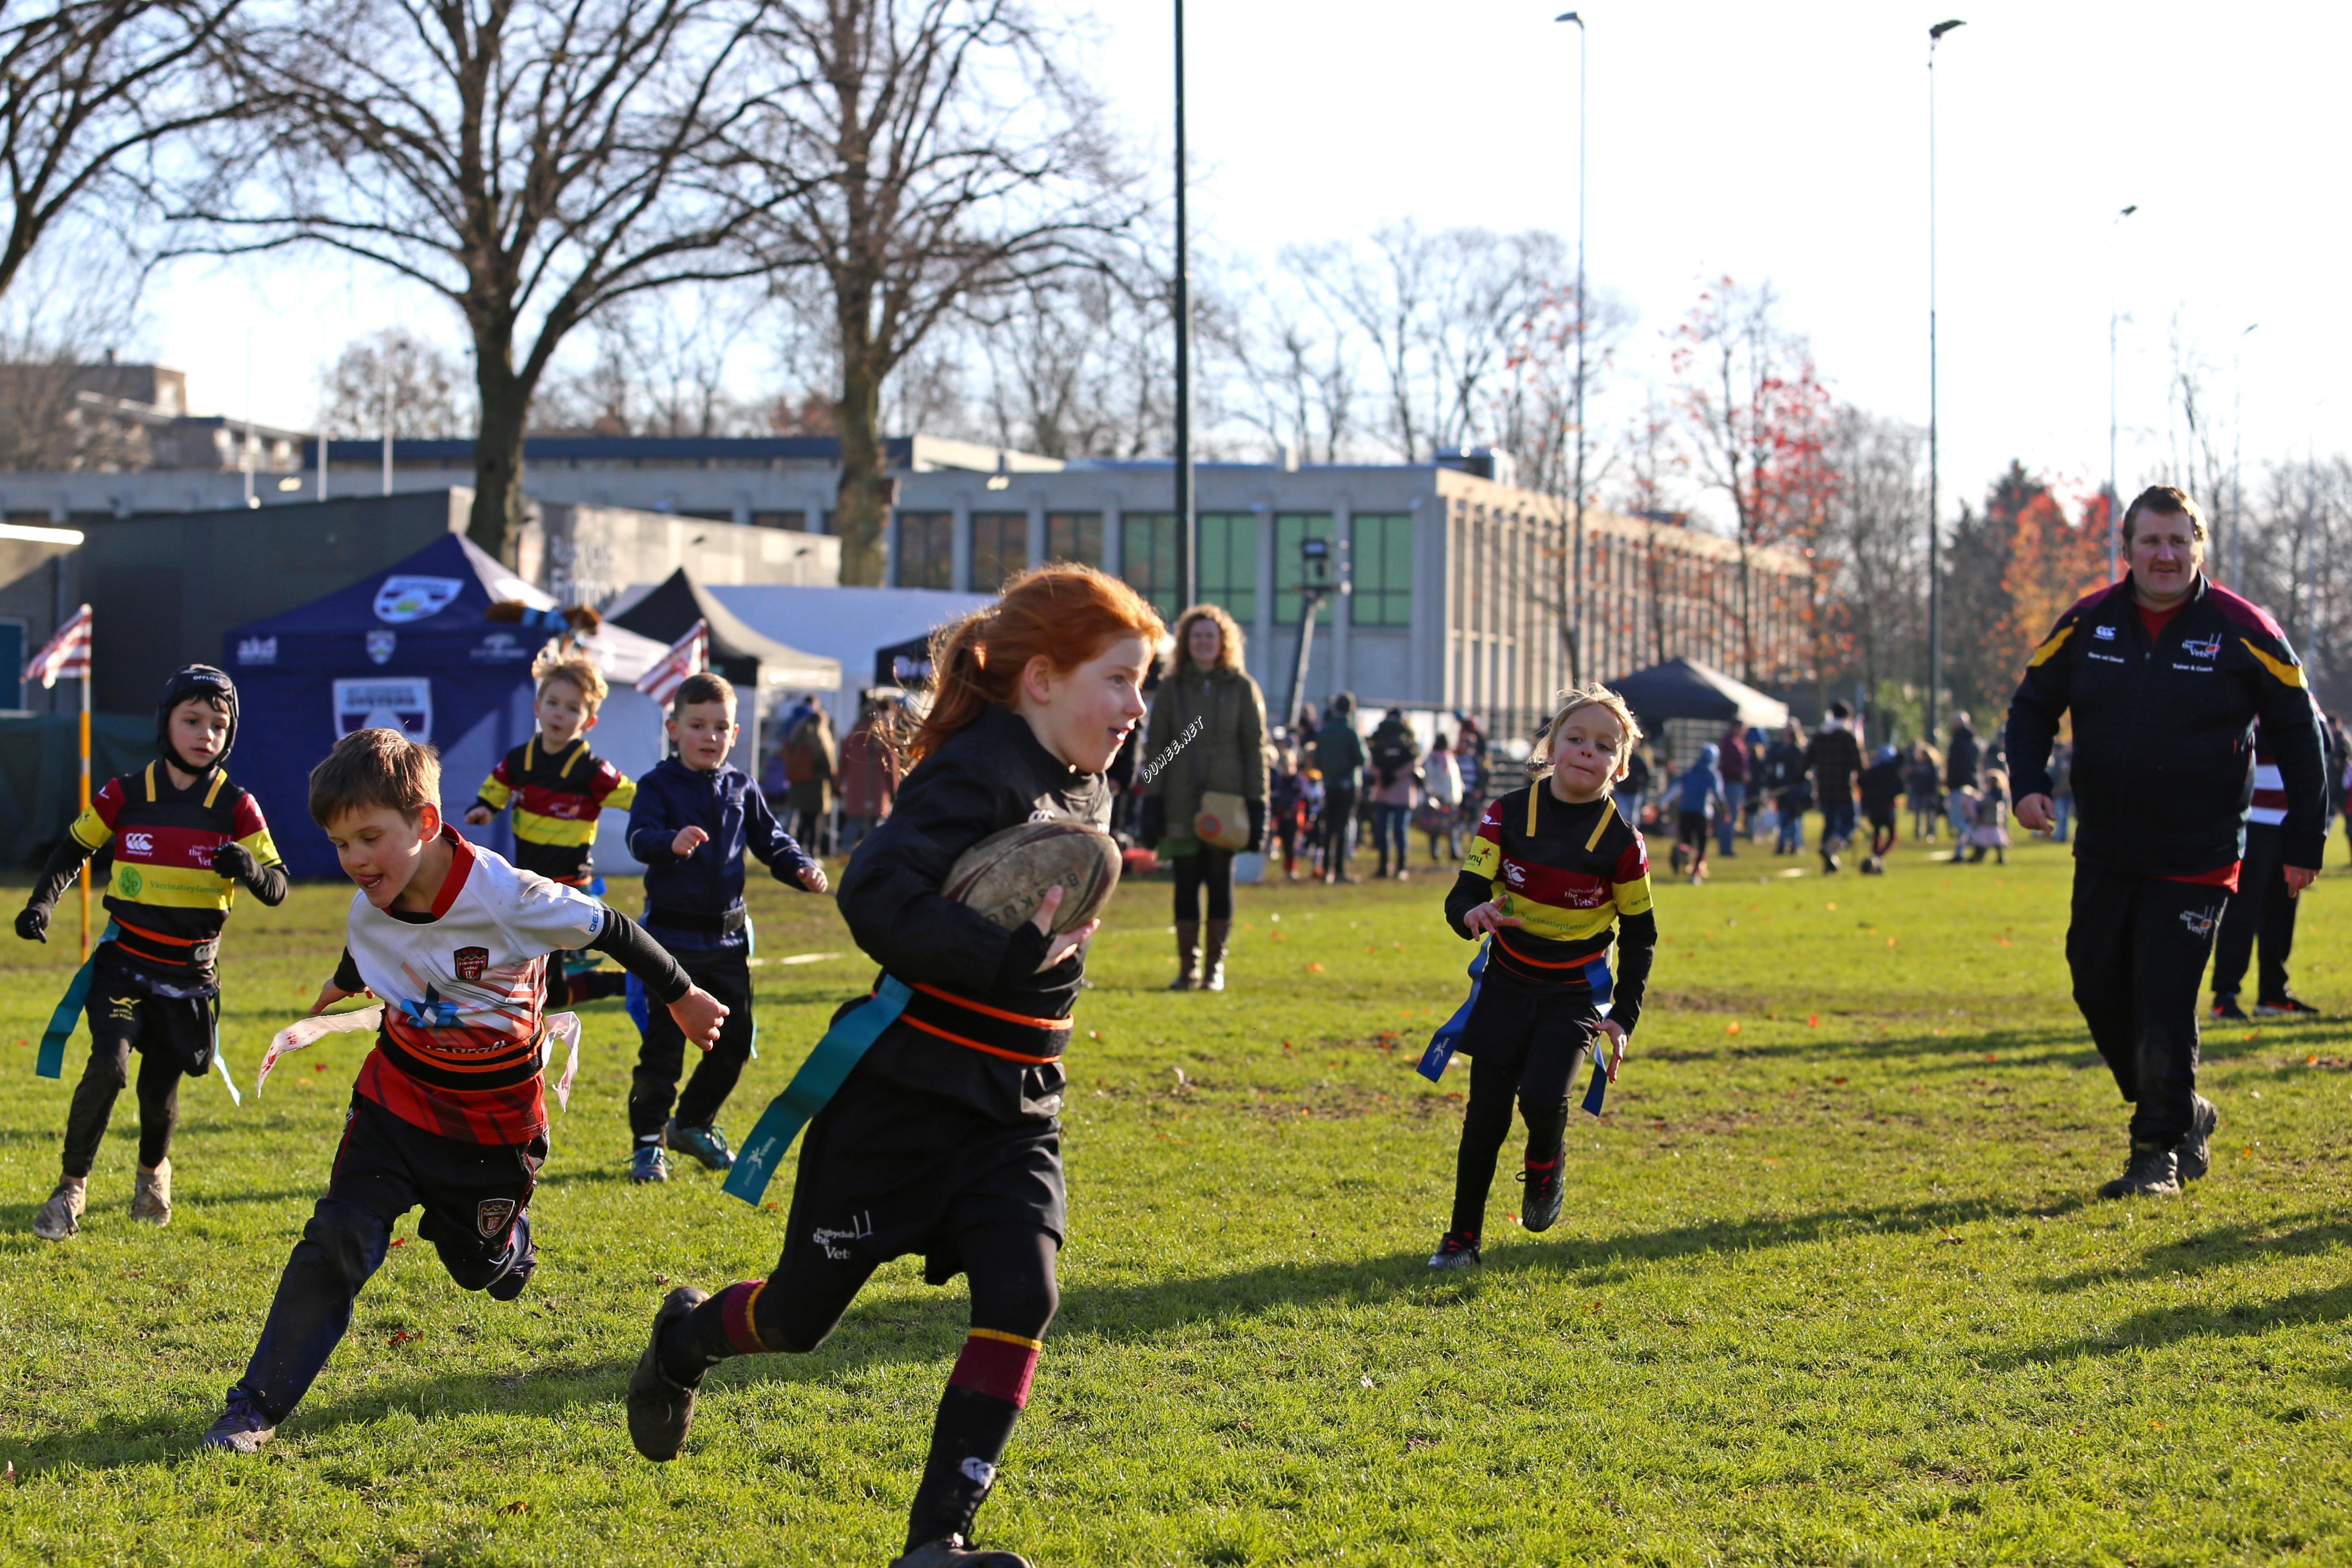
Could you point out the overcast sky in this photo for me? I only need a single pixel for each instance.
(1786, 143)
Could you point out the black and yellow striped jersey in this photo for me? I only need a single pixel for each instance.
(1570, 873)
(168, 904)
(557, 797)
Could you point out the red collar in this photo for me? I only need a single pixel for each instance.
(461, 866)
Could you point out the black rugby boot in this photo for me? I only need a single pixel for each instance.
(1540, 1208)
(660, 1407)
(2153, 1171)
(2191, 1154)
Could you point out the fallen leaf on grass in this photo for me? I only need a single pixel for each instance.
(1314, 968)
(1731, 1027)
(1813, 1020)
(403, 1337)
(400, 1241)
(517, 1506)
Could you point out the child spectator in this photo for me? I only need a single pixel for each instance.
(1554, 870)
(558, 788)
(1699, 797)
(1392, 778)
(694, 816)
(1882, 795)
(1287, 806)
(1990, 828)
(1923, 781)
(869, 773)
(183, 839)
(1441, 812)
(448, 1114)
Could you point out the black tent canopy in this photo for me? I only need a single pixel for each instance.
(1688, 689)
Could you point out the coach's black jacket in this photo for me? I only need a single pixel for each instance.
(2164, 757)
(993, 775)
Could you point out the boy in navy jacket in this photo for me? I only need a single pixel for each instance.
(693, 819)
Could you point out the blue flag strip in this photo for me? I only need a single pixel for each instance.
(1449, 1033)
(820, 1078)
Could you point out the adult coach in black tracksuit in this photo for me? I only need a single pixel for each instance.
(2165, 674)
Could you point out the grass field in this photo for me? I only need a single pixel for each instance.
(1831, 1287)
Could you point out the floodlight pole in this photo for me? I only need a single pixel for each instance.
(1575, 551)
(1934, 490)
(2115, 231)
(1184, 518)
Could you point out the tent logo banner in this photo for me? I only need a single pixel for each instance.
(499, 648)
(256, 650)
(379, 645)
(403, 599)
(405, 704)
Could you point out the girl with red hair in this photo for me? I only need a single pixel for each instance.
(944, 1138)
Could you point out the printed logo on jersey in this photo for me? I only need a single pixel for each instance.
(379, 646)
(2104, 634)
(127, 881)
(1514, 874)
(470, 962)
(138, 843)
(403, 598)
(2204, 648)
(2200, 922)
(1042, 815)
(1490, 819)
(430, 1013)
(493, 1215)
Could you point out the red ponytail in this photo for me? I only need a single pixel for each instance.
(1065, 615)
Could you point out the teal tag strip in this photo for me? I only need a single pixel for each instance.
(51, 1061)
(820, 1078)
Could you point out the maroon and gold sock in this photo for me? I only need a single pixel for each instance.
(718, 1328)
(977, 1414)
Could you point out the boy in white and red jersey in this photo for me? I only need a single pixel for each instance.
(448, 1114)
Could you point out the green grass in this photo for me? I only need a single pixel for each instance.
(1831, 1287)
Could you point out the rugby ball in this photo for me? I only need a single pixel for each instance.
(1005, 874)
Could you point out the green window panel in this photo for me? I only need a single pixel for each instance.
(1228, 574)
(927, 549)
(1147, 557)
(1075, 536)
(1380, 565)
(999, 548)
(1291, 529)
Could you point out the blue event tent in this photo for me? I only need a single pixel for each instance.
(408, 647)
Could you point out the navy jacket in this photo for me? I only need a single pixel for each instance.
(2164, 752)
(691, 901)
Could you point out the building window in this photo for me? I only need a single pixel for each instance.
(1147, 557)
(926, 549)
(1075, 536)
(1380, 560)
(795, 521)
(1228, 574)
(1290, 529)
(999, 548)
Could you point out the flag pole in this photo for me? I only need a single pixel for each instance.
(85, 806)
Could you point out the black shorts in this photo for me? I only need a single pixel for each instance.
(885, 1173)
(178, 1029)
(1690, 827)
(471, 1193)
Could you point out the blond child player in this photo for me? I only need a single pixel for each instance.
(1554, 869)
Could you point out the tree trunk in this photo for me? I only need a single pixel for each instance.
(496, 523)
(863, 505)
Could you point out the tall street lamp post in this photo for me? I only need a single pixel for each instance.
(2115, 522)
(1184, 526)
(1575, 563)
(1935, 491)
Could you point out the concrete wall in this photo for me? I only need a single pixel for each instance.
(584, 555)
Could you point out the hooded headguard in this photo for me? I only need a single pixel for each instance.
(195, 681)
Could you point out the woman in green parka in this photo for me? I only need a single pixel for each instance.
(1207, 734)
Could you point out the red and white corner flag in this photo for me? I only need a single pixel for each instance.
(65, 654)
(689, 655)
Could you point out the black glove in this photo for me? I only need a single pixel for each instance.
(1155, 820)
(1257, 827)
(33, 923)
(236, 860)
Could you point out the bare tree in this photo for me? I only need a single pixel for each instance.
(63, 405)
(90, 91)
(1879, 512)
(955, 156)
(661, 367)
(2203, 466)
(1752, 410)
(395, 380)
(1439, 313)
(531, 162)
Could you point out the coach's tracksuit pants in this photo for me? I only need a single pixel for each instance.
(2137, 947)
(2261, 906)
